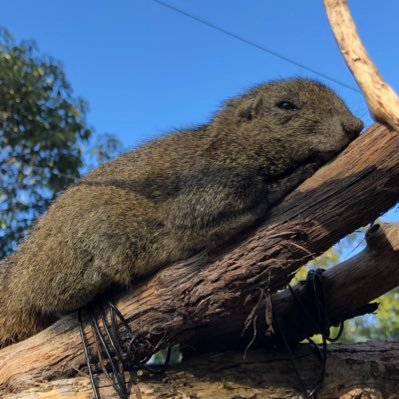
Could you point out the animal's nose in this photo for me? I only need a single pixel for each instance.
(352, 125)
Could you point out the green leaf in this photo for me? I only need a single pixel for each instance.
(44, 136)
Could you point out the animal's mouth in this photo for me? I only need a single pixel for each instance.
(324, 157)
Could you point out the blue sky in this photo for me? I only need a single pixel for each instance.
(146, 69)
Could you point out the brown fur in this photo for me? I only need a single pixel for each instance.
(187, 191)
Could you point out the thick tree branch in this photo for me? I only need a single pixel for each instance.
(367, 369)
(184, 299)
(381, 98)
(348, 289)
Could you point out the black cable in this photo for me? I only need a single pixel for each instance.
(302, 308)
(323, 360)
(315, 282)
(338, 336)
(114, 339)
(117, 378)
(292, 358)
(96, 394)
(134, 345)
(257, 46)
(133, 339)
(112, 353)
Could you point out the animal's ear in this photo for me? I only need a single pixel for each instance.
(250, 108)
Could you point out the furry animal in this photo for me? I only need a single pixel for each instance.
(176, 195)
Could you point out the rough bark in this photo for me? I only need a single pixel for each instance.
(366, 370)
(186, 298)
(348, 288)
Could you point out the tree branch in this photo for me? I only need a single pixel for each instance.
(353, 371)
(381, 98)
(348, 289)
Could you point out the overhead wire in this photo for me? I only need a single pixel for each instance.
(256, 45)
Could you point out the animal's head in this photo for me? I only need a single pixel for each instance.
(302, 116)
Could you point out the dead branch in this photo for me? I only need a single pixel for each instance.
(381, 98)
(184, 299)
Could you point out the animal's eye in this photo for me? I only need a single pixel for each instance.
(286, 105)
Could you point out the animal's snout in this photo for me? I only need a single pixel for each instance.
(352, 126)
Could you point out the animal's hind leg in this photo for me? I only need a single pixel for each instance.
(19, 324)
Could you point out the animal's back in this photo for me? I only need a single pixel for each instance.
(109, 220)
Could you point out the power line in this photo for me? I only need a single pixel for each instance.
(257, 46)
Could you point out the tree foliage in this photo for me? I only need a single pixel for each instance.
(43, 135)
